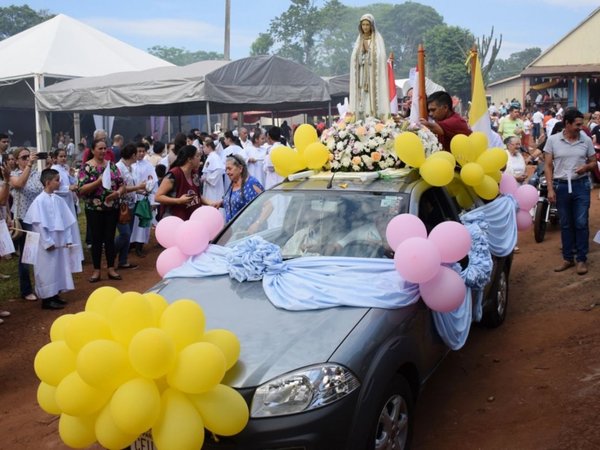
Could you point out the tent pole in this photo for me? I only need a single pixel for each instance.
(329, 121)
(76, 130)
(38, 82)
(169, 128)
(208, 124)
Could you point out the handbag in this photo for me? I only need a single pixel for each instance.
(124, 213)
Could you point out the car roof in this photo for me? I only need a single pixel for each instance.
(352, 182)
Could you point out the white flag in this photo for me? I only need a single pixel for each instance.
(106, 176)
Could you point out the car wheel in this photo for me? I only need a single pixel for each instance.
(539, 221)
(393, 426)
(494, 312)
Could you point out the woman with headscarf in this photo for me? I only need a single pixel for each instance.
(369, 94)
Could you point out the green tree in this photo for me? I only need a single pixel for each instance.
(262, 45)
(446, 50)
(403, 27)
(181, 56)
(339, 28)
(294, 32)
(514, 64)
(14, 19)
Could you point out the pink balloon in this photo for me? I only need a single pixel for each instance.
(526, 196)
(166, 231)
(169, 259)
(524, 220)
(452, 239)
(211, 219)
(192, 237)
(417, 259)
(445, 292)
(508, 184)
(402, 227)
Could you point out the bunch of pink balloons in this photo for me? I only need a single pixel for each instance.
(183, 239)
(525, 195)
(419, 258)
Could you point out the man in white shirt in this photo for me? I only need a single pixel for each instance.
(537, 119)
(244, 139)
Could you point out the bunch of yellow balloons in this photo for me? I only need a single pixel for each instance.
(131, 363)
(480, 166)
(437, 169)
(309, 153)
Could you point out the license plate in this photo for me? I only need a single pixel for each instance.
(144, 442)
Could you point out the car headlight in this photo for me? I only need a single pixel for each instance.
(303, 390)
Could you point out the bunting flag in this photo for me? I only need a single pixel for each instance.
(415, 115)
(479, 118)
(392, 85)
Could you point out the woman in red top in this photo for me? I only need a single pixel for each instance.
(179, 192)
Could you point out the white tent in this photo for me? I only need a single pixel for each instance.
(58, 49)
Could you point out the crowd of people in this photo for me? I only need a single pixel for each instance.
(122, 189)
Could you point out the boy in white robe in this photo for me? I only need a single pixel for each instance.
(50, 216)
(142, 171)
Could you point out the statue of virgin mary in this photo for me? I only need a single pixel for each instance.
(368, 73)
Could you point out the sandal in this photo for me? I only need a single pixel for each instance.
(4, 313)
(30, 297)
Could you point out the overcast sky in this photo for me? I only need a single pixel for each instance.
(199, 24)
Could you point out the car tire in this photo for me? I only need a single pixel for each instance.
(392, 426)
(494, 311)
(539, 221)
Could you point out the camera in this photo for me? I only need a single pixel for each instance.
(42, 155)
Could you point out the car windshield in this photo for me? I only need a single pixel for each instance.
(319, 223)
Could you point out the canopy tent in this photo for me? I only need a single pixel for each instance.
(254, 83)
(61, 48)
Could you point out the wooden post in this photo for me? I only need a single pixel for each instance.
(421, 81)
(574, 92)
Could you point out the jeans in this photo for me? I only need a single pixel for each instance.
(24, 271)
(573, 212)
(103, 225)
(122, 241)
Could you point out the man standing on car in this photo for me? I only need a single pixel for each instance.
(569, 156)
(446, 123)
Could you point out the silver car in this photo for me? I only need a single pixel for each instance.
(336, 378)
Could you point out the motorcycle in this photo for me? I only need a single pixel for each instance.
(544, 211)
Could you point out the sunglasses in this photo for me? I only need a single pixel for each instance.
(24, 158)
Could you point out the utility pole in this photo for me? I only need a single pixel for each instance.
(227, 29)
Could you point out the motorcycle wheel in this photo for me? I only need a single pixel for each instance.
(539, 221)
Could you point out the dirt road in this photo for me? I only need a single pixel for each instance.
(533, 383)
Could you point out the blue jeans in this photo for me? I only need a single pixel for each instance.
(122, 242)
(24, 271)
(573, 212)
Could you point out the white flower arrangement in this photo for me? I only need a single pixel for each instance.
(368, 145)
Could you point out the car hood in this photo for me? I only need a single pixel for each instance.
(273, 341)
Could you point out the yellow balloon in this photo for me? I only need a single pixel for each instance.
(464, 199)
(184, 321)
(158, 304)
(135, 406)
(179, 426)
(472, 174)
(488, 189)
(46, 398)
(77, 431)
(227, 342)
(479, 143)
(152, 352)
(437, 171)
(129, 313)
(223, 410)
(53, 362)
(77, 398)
(496, 175)
(57, 330)
(286, 160)
(305, 135)
(198, 368)
(461, 148)
(101, 299)
(409, 149)
(492, 160)
(103, 364)
(316, 155)
(109, 435)
(444, 155)
(85, 327)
